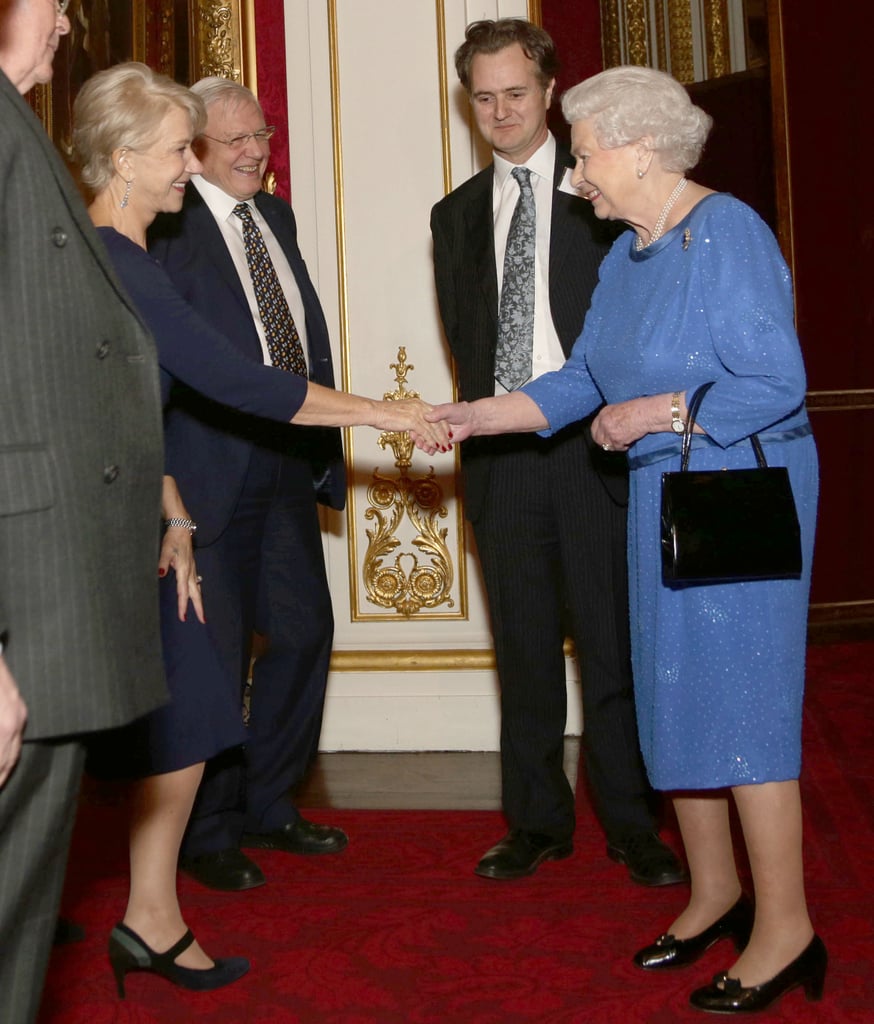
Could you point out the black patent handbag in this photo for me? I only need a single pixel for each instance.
(727, 525)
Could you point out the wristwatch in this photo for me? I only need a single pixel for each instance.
(677, 424)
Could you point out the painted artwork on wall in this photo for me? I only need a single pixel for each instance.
(185, 39)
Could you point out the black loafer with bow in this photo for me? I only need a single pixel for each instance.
(668, 951)
(727, 995)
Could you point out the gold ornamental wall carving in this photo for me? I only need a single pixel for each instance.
(220, 38)
(405, 583)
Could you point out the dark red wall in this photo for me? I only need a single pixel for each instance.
(828, 99)
(576, 29)
(270, 38)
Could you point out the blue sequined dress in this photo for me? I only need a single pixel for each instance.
(718, 669)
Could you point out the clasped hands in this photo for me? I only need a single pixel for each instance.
(615, 428)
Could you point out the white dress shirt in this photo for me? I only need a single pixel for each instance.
(221, 206)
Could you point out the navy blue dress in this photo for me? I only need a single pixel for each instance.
(202, 717)
(718, 670)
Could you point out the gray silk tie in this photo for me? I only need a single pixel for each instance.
(516, 311)
(280, 331)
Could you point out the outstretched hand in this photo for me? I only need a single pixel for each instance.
(458, 417)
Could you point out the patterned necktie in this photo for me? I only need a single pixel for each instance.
(516, 312)
(283, 341)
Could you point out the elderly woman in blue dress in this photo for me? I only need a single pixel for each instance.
(696, 292)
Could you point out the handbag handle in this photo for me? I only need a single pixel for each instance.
(693, 405)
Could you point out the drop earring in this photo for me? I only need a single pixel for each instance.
(126, 197)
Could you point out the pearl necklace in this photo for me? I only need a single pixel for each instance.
(663, 216)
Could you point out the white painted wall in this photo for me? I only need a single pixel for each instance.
(382, 121)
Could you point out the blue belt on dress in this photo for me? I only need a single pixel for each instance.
(702, 441)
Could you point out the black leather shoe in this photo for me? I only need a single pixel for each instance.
(648, 859)
(228, 870)
(521, 853)
(736, 924)
(727, 995)
(299, 836)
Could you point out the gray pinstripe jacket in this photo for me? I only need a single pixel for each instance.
(80, 454)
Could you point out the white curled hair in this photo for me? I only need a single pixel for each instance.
(627, 103)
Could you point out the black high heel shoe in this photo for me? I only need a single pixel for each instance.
(128, 952)
(727, 995)
(667, 951)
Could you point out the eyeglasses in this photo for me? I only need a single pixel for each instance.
(238, 141)
(62, 7)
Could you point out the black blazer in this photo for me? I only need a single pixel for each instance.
(194, 253)
(462, 227)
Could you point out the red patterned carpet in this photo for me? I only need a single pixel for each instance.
(398, 929)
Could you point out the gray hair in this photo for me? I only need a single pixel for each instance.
(630, 102)
(122, 108)
(223, 90)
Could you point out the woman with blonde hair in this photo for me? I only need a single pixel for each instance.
(133, 134)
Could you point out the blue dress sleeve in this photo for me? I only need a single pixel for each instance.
(570, 394)
(566, 395)
(747, 294)
(191, 351)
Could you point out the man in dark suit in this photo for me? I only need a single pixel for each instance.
(548, 514)
(80, 507)
(253, 489)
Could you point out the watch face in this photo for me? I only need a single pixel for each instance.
(677, 426)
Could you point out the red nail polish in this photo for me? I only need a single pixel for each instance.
(450, 435)
(162, 572)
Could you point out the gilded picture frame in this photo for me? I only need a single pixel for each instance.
(186, 39)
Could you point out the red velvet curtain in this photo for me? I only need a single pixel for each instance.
(576, 29)
(272, 91)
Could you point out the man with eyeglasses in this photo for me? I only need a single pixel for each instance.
(80, 487)
(253, 488)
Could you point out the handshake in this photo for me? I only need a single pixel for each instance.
(433, 428)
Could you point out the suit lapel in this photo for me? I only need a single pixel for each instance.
(561, 235)
(212, 245)
(480, 236)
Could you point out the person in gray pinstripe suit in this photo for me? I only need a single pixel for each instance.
(81, 465)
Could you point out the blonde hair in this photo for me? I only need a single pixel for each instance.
(123, 107)
(630, 102)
